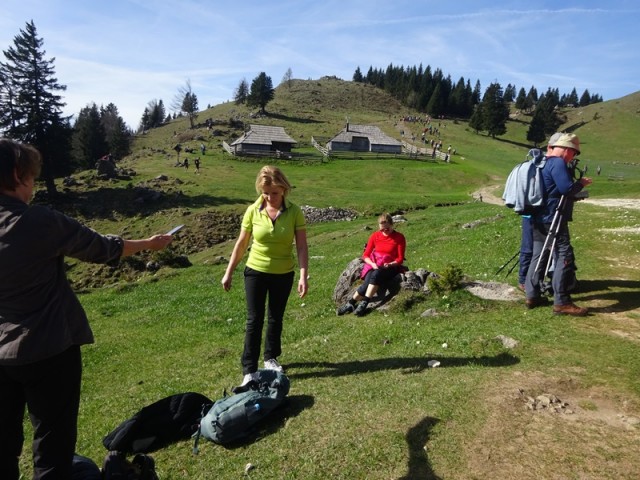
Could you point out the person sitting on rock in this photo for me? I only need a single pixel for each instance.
(383, 257)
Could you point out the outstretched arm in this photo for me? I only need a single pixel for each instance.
(156, 242)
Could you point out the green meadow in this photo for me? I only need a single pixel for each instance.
(364, 403)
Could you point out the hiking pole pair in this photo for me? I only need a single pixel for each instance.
(507, 263)
(551, 238)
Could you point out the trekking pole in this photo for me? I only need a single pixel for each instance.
(551, 237)
(507, 263)
(515, 264)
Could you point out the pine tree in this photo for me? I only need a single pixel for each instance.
(477, 119)
(357, 75)
(585, 99)
(118, 135)
(89, 138)
(521, 100)
(242, 92)
(536, 132)
(261, 92)
(495, 110)
(31, 109)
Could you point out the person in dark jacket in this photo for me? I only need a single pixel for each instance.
(560, 189)
(42, 323)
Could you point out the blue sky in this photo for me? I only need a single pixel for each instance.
(130, 52)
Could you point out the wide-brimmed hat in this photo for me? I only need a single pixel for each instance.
(567, 140)
(554, 138)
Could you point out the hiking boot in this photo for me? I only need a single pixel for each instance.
(521, 286)
(273, 364)
(361, 309)
(346, 308)
(570, 309)
(536, 302)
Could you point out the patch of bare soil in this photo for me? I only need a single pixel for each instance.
(494, 291)
(541, 426)
(631, 203)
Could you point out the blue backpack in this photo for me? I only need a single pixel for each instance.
(524, 189)
(232, 417)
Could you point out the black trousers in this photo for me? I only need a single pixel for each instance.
(379, 277)
(50, 390)
(258, 288)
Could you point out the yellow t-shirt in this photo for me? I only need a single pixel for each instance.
(272, 246)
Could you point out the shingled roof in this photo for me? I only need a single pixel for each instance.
(375, 135)
(264, 135)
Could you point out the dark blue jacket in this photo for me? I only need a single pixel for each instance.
(557, 181)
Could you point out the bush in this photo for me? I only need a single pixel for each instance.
(449, 280)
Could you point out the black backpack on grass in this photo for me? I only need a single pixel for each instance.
(157, 425)
(233, 417)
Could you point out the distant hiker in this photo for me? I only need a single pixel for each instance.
(559, 191)
(202, 148)
(274, 222)
(383, 257)
(196, 162)
(598, 170)
(42, 323)
(185, 164)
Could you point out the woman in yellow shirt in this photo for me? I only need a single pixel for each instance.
(274, 222)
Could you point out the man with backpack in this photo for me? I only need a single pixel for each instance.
(559, 191)
(526, 241)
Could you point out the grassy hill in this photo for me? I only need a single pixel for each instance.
(364, 402)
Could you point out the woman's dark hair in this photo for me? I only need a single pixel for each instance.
(20, 158)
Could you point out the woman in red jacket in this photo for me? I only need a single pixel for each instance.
(383, 257)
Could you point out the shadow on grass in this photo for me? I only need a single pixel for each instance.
(293, 406)
(613, 290)
(417, 437)
(411, 364)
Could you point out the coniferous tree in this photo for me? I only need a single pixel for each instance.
(477, 93)
(509, 93)
(532, 99)
(117, 134)
(145, 120)
(89, 138)
(477, 119)
(261, 93)
(495, 110)
(435, 107)
(585, 99)
(157, 113)
(521, 100)
(458, 101)
(31, 108)
(357, 76)
(242, 92)
(572, 99)
(536, 131)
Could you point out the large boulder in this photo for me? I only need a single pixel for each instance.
(349, 280)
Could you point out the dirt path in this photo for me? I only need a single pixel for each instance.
(492, 194)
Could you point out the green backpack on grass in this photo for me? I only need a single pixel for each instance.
(232, 417)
